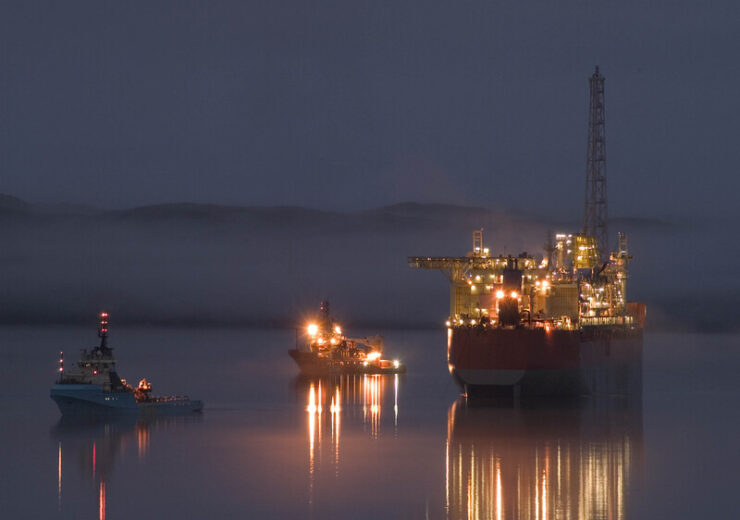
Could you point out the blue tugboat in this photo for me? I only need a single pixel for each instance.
(93, 386)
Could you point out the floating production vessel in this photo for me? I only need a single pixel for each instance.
(328, 352)
(93, 386)
(559, 324)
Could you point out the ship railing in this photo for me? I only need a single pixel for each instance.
(169, 398)
(548, 323)
(590, 321)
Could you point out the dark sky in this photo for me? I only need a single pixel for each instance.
(355, 104)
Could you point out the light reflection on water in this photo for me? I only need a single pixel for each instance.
(542, 461)
(96, 444)
(346, 394)
(379, 447)
(504, 461)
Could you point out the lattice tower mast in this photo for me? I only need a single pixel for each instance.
(595, 214)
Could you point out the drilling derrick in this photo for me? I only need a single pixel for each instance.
(595, 214)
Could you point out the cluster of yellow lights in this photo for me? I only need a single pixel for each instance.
(313, 329)
(500, 294)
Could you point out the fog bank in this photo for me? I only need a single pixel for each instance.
(202, 265)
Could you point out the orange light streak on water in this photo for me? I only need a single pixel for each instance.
(395, 400)
(142, 438)
(319, 398)
(372, 392)
(336, 426)
(311, 409)
(101, 501)
(499, 494)
(59, 477)
(544, 494)
(311, 427)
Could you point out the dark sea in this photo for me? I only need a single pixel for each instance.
(272, 445)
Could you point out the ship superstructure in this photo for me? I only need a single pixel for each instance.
(96, 366)
(566, 288)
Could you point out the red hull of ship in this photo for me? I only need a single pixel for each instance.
(496, 361)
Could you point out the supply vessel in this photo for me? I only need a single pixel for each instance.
(92, 386)
(325, 350)
(555, 324)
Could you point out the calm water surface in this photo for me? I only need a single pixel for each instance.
(272, 445)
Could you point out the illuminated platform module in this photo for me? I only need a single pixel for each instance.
(566, 287)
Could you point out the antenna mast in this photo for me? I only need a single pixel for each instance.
(595, 214)
(103, 330)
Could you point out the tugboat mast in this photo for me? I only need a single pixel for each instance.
(103, 330)
(326, 322)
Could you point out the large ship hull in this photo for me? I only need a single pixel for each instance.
(492, 362)
(92, 400)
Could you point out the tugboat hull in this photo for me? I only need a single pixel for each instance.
(85, 399)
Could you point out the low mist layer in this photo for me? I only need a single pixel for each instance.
(188, 264)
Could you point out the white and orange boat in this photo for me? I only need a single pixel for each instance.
(325, 350)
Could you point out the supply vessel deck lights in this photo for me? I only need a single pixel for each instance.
(323, 349)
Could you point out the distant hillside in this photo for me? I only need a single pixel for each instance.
(11, 204)
(209, 264)
(190, 210)
(404, 213)
(8, 203)
(394, 219)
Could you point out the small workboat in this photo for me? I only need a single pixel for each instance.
(325, 350)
